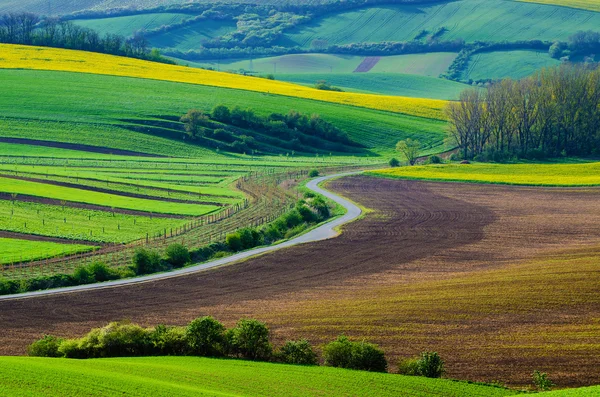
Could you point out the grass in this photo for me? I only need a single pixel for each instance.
(16, 250)
(507, 64)
(470, 20)
(191, 37)
(69, 194)
(79, 224)
(128, 25)
(586, 174)
(189, 376)
(90, 109)
(385, 83)
(39, 58)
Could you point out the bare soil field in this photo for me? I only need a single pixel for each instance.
(501, 280)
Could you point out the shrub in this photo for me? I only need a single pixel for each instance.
(146, 262)
(206, 337)
(70, 349)
(46, 347)
(354, 355)
(338, 353)
(101, 272)
(306, 213)
(541, 381)
(177, 255)
(292, 219)
(313, 173)
(234, 242)
(169, 341)
(431, 365)
(394, 162)
(249, 238)
(124, 340)
(221, 113)
(250, 339)
(434, 160)
(409, 366)
(298, 352)
(82, 275)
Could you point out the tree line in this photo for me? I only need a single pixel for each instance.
(30, 29)
(555, 112)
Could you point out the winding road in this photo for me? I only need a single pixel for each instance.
(323, 232)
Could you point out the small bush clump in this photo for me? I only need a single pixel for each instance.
(177, 255)
(354, 355)
(297, 352)
(427, 364)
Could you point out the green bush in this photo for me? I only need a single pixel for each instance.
(250, 339)
(206, 337)
(394, 162)
(46, 347)
(292, 219)
(431, 365)
(177, 255)
(70, 348)
(101, 272)
(124, 340)
(8, 287)
(434, 160)
(82, 275)
(364, 356)
(541, 381)
(169, 341)
(298, 352)
(306, 213)
(234, 242)
(313, 173)
(409, 366)
(146, 262)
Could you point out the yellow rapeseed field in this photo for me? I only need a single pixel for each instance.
(586, 174)
(40, 58)
(593, 5)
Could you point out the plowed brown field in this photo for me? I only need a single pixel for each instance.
(500, 280)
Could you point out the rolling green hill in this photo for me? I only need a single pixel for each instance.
(384, 83)
(470, 20)
(128, 25)
(112, 111)
(503, 64)
(189, 376)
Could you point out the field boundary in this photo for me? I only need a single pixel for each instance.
(323, 232)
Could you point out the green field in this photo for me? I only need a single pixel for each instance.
(584, 174)
(384, 83)
(189, 376)
(470, 20)
(191, 37)
(91, 109)
(15, 250)
(507, 64)
(128, 25)
(431, 64)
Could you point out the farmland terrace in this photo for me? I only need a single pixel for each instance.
(471, 271)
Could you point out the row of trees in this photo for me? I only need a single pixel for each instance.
(554, 112)
(29, 29)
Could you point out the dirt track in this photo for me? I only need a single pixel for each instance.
(418, 231)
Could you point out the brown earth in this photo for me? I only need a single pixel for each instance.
(367, 64)
(418, 243)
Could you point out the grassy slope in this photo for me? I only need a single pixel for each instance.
(92, 105)
(385, 83)
(128, 25)
(467, 19)
(24, 57)
(503, 64)
(586, 174)
(188, 376)
(191, 37)
(431, 64)
(14, 250)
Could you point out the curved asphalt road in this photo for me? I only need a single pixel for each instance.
(323, 232)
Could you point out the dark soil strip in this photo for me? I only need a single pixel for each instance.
(33, 237)
(81, 148)
(48, 201)
(367, 64)
(109, 191)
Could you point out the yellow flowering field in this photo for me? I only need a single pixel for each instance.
(593, 5)
(41, 58)
(586, 174)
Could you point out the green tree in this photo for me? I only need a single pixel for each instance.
(206, 337)
(250, 339)
(194, 121)
(221, 113)
(541, 381)
(431, 365)
(410, 149)
(234, 242)
(298, 352)
(177, 255)
(146, 261)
